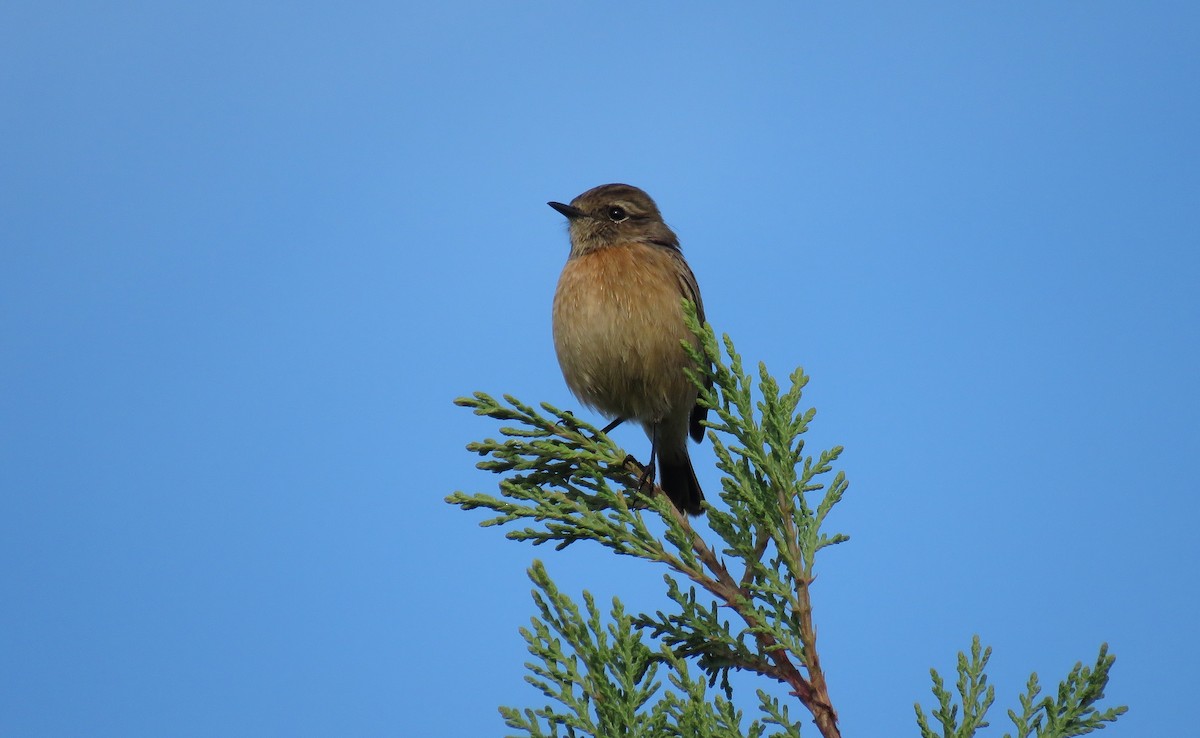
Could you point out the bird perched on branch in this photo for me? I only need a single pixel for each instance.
(619, 328)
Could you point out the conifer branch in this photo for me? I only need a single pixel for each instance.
(1071, 712)
(562, 481)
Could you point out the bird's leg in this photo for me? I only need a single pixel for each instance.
(648, 472)
(612, 425)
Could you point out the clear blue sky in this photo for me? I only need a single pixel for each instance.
(249, 253)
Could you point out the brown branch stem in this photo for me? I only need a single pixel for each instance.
(813, 692)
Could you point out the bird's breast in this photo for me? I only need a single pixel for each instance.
(617, 331)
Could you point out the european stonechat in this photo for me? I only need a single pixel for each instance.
(619, 329)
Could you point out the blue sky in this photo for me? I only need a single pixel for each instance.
(251, 252)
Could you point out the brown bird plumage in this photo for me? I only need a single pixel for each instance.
(618, 326)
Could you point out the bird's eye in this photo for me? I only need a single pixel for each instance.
(617, 214)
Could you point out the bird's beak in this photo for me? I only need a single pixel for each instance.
(571, 212)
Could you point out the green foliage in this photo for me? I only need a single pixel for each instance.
(1071, 712)
(604, 680)
(745, 604)
(975, 696)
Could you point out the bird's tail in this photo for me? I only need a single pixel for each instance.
(678, 479)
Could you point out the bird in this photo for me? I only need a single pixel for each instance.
(619, 328)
